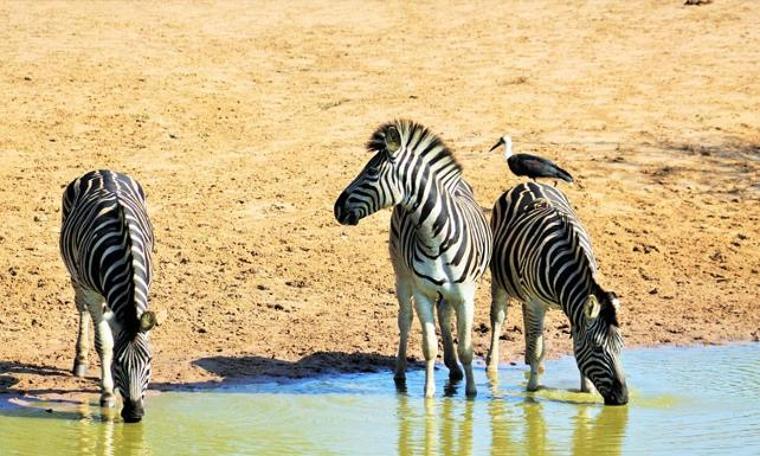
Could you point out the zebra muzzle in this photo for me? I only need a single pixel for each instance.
(133, 411)
(350, 219)
(345, 217)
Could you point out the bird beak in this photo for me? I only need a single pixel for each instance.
(500, 143)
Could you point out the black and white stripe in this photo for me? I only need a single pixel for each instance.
(543, 258)
(106, 243)
(440, 242)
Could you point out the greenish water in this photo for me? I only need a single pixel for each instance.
(683, 401)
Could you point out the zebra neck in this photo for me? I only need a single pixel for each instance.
(434, 216)
(573, 300)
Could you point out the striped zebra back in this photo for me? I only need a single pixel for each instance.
(106, 241)
(536, 231)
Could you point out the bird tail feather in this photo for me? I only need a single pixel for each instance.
(564, 175)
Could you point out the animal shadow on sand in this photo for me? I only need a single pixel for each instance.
(8, 379)
(729, 168)
(9, 372)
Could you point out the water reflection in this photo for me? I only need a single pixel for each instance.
(535, 427)
(500, 417)
(515, 424)
(446, 426)
(457, 423)
(82, 429)
(605, 431)
(101, 432)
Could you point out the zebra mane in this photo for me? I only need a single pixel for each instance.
(133, 321)
(571, 225)
(569, 221)
(413, 131)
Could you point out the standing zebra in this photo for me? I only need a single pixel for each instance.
(106, 243)
(543, 258)
(440, 242)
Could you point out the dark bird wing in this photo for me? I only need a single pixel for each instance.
(564, 175)
(533, 166)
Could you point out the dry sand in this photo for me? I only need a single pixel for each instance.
(245, 121)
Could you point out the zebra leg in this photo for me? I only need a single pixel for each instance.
(405, 317)
(424, 306)
(465, 316)
(586, 385)
(83, 336)
(533, 319)
(449, 353)
(104, 347)
(499, 300)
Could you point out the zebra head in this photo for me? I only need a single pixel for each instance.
(597, 344)
(378, 185)
(131, 366)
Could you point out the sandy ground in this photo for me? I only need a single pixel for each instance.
(245, 121)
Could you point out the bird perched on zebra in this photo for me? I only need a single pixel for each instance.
(529, 165)
(543, 258)
(440, 242)
(106, 243)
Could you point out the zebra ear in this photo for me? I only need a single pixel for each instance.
(592, 308)
(392, 140)
(615, 302)
(147, 321)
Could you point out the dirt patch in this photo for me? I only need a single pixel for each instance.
(244, 124)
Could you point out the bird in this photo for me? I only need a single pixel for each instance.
(531, 165)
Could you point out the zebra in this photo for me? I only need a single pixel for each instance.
(440, 242)
(106, 243)
(543, 258)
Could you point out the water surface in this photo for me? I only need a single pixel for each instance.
(683, 401)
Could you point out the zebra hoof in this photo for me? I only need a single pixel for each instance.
(455, 374)
(400, 381)
(107, 401)
(429, 391)
(471, 391)
(80, 370)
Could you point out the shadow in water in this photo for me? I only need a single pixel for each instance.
(251, 369)
(31, 407)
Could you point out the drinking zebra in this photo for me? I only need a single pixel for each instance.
(543, 258)
(106, 243)
(440, 242)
